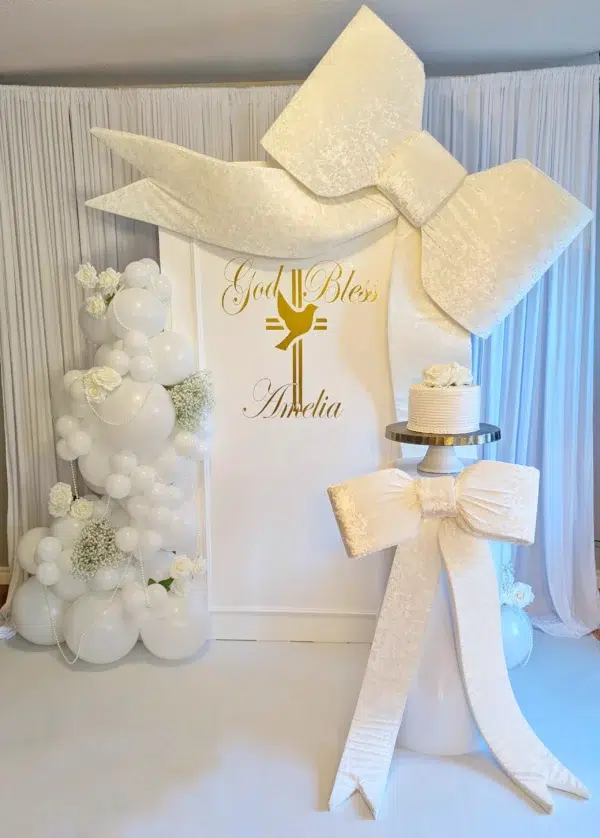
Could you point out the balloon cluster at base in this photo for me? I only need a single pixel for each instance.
(118, 560)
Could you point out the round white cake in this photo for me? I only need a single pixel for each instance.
(442, 404)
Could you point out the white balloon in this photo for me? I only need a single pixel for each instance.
(162, 518)
(161, 285)
(168, 465)
(127, 539)
(66, 425)
(99, 629)
(123, 462)
(135, 416)
(138, 274)
(105, 579)
(81, 410)
(80, 443)
(65, 561)
(69, 587)
(150, 541)
(102, 353)
(64, 452)
(151, 264)
(179, 631)
(101, 507)
(77, 391)
(96, 329)
(189, 445)
(117, 486)
(48, 573)
(142, 368)
(27, 547)
(135, 343)
(139, 509)
(134, 598)
(32, 608)
(118, 517)
(143, 478)
(156, 597)
(173, 355)
(136, 308)
(70, 377)
(95, 467)
(159, 494)
(517, 635)
(48, 549)
(129, 574)
(67, 530)
(156, 566)
(118, 361)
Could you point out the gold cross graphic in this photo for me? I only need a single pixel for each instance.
(298, 322)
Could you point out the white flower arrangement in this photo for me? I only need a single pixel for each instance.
(447, 375)
(98, 382)
(183, 571)
(95, 305)
(108, 282)
(59, 500)
(87, 276)
(516, 594)
(82, 509)
(95, 548)
(193, 400)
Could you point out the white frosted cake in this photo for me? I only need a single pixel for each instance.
(445, 402)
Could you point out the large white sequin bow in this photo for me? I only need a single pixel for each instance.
(441, 522)
(354, 158)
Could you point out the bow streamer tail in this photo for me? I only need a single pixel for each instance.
(472, 581)
(394, 655)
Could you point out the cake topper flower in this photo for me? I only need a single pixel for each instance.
(447, 375)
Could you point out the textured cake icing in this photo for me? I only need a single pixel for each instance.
(445, 402)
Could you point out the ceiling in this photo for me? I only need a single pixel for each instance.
(169, 41)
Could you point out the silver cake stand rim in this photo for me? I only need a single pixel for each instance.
(399, 432)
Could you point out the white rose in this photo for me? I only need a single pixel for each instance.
(95, 305)
(522, 595)
(59, 500)
(108, 281)
(82, 509)
(182, 567)
(105, 377)
(86, 275)
(447, 375)
(93, 392)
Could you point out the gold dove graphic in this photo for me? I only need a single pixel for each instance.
(298, 321)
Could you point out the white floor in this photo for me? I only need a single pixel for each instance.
(244, 743)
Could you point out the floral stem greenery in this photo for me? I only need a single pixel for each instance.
(166, 583)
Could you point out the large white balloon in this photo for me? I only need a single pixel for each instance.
(178, 631)
(69, 587)
(173, 355)
(161, 285)
(136, 309)
(151, 264)
(139, 274)
(95, 466)
(99, 629)
(96, 329)
(31, 612)
(136, 416)
(67, 530)
(27, 547)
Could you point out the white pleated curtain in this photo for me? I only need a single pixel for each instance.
(49, 165)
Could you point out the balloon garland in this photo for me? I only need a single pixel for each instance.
(122, 562)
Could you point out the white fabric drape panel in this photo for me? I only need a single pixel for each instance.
(536, 370)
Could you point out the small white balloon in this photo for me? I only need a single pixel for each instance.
(48, 573)
(127, 539)
(102, 353)
(162, 518)
(159, 494)
(70, 377)
(143, 478)
(118, 361)
(48, 550)
(69, 587)
(33, 610)
(134, 598)
(80, 443)
(150, 541)
(168, 465)
(129, 574)
(77, 391)
(151, 264)
(136, 308)
(173, 355)
(138, 274)
(67, 530)
(27, 547)
(156, 566)
(135, 343)
(142, 368)
(189, 445)
(101, 507)
(124, 462)
(161, 285)
(117, 486)
(66, 425)
(64, 452)
(95, 466)
(99, 629)
(105, 579)
(139, 509)
(156, 597)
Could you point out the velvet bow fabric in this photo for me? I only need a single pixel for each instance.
(352, 157)
(441, 522)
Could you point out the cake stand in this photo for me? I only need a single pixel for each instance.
(441, 456)
(437, 718)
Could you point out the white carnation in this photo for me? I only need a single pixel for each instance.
(182, 567)
(95, 305)
(108, 281)
(522, 595)
(59, 500)
(82, 509)
(447, 375)
(87, 276)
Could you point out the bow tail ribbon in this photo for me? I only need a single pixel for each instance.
(472, 582)
(394, 655)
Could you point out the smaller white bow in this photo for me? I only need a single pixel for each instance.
(441, 520)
